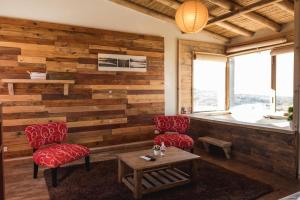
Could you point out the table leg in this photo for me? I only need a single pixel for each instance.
(137, 178)
(227, 151)
(206, 147)
(121, 169)
(194, 174)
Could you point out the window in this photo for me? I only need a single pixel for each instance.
(259, 84)
(284, 81)
(253, 78)
(209, 74)
(251, 83)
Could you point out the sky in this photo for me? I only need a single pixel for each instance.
(284, 76)
(253, 74)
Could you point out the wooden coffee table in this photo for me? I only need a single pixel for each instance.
(152, 176)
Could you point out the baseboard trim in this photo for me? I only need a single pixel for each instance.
(124, 147)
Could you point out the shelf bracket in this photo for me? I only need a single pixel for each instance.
(66, 89)
(11, 89)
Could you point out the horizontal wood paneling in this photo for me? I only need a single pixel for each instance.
(102, 108)
(262, 148)
(185, 68)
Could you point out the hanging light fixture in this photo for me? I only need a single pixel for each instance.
(191, 16)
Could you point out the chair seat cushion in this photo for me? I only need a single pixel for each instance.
(181, 141)
(59, 154)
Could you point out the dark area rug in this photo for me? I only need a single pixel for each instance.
(214, 183)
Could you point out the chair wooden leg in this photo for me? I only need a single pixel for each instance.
(206, 147)
(87, 163)
(54, 177)
(192, 150)
(227, 151)
(35, 170)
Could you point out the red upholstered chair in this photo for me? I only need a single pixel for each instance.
(172, 131)
(48, 151)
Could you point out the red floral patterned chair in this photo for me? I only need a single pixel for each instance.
(172, 131)
(48, 151)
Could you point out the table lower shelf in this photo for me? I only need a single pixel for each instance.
(159, 179)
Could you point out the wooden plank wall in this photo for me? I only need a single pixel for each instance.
(259, 147)
(185, 66)
(2, 188)
(102, 108)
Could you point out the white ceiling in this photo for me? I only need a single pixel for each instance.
(92, 13)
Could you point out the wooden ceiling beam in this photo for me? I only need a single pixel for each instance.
(225, 4)
(160, 16)
(233, 28)
(232, 6)
(243, 10)
(226, 25)
(169, 3)
(286, 6)
(144, 10)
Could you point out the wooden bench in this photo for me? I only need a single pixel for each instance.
(226, 146)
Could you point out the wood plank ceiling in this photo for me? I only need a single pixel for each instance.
(228, 18)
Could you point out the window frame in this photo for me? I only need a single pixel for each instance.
(232, 69)
(228, 74)
(227, 83)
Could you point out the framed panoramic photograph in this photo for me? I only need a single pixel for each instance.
(115, 62)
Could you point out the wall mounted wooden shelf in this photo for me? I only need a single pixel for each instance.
(11, 82)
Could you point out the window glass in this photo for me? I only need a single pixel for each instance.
(251, 84)
(284, 81)
(209, 84)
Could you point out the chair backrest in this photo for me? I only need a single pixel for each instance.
(42, 134)
(176, 123)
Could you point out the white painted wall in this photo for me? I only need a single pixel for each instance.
(108, 15)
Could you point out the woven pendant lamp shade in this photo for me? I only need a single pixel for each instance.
(191, 16)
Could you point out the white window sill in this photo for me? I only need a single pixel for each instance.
(276, 125)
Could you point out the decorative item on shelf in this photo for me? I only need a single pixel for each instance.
(156, 150)
(191, 16)
(128, 63)
(37, 75)
(163, 149)
(290, 116)
(184, 110)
